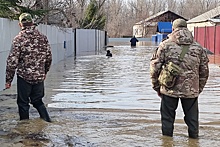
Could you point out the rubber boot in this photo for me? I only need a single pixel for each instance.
(23, 114)
(194, 134)
(43, 113)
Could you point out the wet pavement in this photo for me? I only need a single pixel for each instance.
(95, 101)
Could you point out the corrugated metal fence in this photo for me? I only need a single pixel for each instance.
(64, 42)
(208, 37)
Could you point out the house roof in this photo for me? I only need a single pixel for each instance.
(206, 16)
(214, 20)
(156, 15)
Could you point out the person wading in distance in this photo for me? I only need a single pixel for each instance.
(133, 41)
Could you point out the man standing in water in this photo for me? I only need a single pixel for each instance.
(31, 55)
(188, 85)
(133, 41)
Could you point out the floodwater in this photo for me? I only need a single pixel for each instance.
(95, 101)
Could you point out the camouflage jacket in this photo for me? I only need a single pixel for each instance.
(30, 54)
(194, 65)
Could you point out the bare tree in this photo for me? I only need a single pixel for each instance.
(114, 17)
(121, 15)
(172, 5)
(180, 7)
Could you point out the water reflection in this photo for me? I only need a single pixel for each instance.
(214, 59)
(122, 84)
(119, 82)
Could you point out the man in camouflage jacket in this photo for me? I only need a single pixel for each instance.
(31, 55)
(188, 85)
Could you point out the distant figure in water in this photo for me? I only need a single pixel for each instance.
(109, 54)
(133, 41)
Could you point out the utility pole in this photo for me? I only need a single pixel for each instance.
(107, 16)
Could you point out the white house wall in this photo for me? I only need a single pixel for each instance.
(191, 26)
(138, 31)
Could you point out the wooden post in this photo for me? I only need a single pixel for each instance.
(214, 39)
(205, 38)
(196, 33)
(75, 43)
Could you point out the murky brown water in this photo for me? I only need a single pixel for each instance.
(96, 101)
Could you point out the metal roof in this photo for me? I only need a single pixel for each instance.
(154, 16)
(206, 16)
(215, 20)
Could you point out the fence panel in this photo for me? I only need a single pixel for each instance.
(9, 29)
(62, 41)
(85, 42)
(208, 37)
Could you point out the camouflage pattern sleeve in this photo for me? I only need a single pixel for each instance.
(30, 56)
(156, 66)
(203, 71)
(12, 61)
(48, 57)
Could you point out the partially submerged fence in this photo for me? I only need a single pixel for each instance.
(64, 42)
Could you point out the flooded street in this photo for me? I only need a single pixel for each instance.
(95, 101)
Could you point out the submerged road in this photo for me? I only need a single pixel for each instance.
(95, 101)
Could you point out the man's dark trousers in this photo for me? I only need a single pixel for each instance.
(168, 113)
(30, 93)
